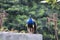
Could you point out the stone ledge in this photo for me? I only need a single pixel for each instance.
(19, 36)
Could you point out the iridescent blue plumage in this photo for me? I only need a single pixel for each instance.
(30, 21)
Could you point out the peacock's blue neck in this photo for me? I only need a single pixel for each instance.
(30, 21)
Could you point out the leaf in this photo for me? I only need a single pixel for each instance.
(32, 12)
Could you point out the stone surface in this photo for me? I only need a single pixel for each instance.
(19, 36)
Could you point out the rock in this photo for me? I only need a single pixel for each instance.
(20, 36)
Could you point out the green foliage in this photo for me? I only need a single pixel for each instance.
(51, 1)
(53, 4)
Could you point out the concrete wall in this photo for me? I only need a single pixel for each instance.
(19, 36)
